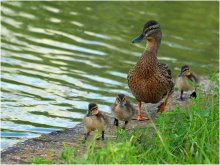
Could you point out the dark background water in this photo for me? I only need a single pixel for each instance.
(56, 57)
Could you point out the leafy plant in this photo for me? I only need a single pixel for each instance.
(67, 155)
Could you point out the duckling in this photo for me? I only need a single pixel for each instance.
(186, 81)
(122, 110)
(94, 120)
(149, 80)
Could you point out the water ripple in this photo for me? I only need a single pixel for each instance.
(51, 9)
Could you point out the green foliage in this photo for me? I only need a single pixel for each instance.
(67, 155)
(38, 160)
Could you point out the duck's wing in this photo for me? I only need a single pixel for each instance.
(113, 107)
(129, 106)
(193, 78)
(101, 116)
(166, 72)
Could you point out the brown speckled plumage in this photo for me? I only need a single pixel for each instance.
(149, 80)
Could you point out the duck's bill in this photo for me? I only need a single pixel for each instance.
(121, 104)
(139, 38)
(89, 114)
(180, 74)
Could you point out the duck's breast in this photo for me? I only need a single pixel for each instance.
(122, 114)
(92, 123)
(148, 90)
(182, 83)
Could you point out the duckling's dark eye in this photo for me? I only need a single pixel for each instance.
(184, 70)
(94, 108)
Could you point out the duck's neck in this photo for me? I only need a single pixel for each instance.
(152, 45)
(150, 53)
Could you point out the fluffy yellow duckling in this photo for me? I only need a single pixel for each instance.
(122, 110)
(94, 120)
(186, 81)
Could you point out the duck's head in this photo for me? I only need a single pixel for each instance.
(185, 71)
(120, 100)
(151, 31)
(92, 109)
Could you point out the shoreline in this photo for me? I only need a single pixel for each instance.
(49, 146)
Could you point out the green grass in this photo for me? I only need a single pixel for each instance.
(38, 160)
(189, 135)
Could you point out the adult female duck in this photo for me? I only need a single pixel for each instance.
(149, 81)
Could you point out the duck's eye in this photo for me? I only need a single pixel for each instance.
(95, 112)
(94, 108)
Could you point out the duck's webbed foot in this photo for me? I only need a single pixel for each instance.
(140, 117)
(163, 105)
(126, 122)
(115, 122)
(102, 137)
(193, 95)
(181, 95)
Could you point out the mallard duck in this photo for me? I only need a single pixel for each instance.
(122, 110)
(94, 120)
(186, 81)
(150, 81)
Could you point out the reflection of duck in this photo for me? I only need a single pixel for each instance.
(122, 110)
(94, 120)
(186, 81)
(149, 80)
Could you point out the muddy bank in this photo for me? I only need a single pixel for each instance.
(49, 146)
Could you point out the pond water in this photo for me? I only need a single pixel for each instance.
(56, 57)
